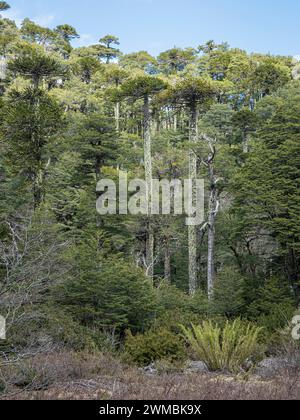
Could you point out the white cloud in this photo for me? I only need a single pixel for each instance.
(18, 16)
(85, 40)
(44, 20)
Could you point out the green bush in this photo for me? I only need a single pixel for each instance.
(175, 307)
(65, 332)
(106, 294)
(228, 296)
(274, 305)
(227, 348)
(154, 345)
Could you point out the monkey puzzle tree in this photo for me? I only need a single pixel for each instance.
(4, 6)
(67, 32)
(34, 64)
(62, 42)
(115, 75)
(175, 59)
(193, 93)
(208, 47)
(108, 52)
(30, 118)
(139, 60)
(34, 33)
(144, 88)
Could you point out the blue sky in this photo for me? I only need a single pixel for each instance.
(156, 25)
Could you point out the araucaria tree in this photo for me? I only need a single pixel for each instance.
(4, 6)
(30, 119)
(144, 88)
(195, 94)
(108, 52)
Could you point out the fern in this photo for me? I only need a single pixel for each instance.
(223, 349)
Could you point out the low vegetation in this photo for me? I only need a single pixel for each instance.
(226, 349)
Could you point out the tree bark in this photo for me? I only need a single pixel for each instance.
(149, 178)
(117, 116)
(167, 252)
(246, 142)
(192, 230)
(212, 213)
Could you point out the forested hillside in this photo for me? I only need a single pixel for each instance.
(73, 280)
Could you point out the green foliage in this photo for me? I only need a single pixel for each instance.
(108, 294)
(228, 296)
(4, 6)
(65, 332)
(34, 33)
(67, 32)
(154, 345)
(33, 63)
(106, 50)
(266, 188)
(30, 120)
(269, 77)
(193, 90)
(227, 348)
(142, 86)
(140, 60)
(274, 305)
(70, 117)
(175, 60)
(175, 306)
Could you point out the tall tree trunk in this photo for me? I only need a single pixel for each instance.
(167, 262)
(175, 122)
(117, 116)
(192, 230)
(212, 213)
(246, 142)
(149, 178)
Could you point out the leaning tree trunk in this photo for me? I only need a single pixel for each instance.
(192, 230)
(149, 178)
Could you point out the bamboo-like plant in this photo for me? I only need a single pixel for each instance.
(224, 349)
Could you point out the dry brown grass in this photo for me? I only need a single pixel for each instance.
(69, 376)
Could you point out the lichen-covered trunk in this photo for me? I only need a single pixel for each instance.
(212, 212)
(246, 142)
(210, 258)
(192, 230)
(167, 262)
(149, 178)
(117, 116)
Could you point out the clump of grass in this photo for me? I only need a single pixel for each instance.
(227, 348)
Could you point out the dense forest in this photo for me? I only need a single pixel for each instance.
(145, 288)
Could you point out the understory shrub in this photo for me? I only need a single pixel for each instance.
(154, 345)
(228, 296)
(107, 293)
(274, 305)
(175, 307)
(227, 348)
